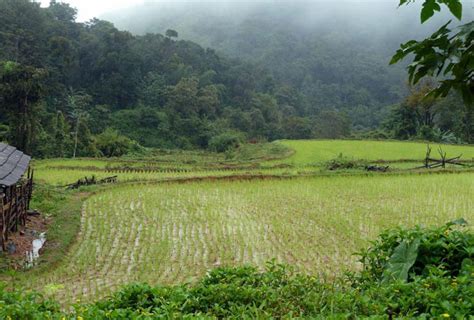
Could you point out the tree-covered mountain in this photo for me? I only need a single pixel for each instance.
(334, 54)
(67, 87)
(275, 70)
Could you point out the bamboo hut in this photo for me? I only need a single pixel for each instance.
(16, 186)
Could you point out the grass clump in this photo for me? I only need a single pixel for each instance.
(261, 151)
(341, 162)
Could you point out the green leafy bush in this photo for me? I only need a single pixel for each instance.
(418, 250)
(4, 130)
(20, 305)
(112, 144)
(225, 141)
(224, 293)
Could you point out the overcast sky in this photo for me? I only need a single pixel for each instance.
(89, 9)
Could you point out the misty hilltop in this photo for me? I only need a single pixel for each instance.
(334, 54)
(197, 75)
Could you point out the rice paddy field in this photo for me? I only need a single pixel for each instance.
(289, 209)
(294, 157)
(173, 233)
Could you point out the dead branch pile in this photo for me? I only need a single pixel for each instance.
(431, 163)
(91, 181)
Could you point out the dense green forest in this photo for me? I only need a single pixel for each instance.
(333, 54)
(85, 89)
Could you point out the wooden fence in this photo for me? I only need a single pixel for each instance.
(14, 204)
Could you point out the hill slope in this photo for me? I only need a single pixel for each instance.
(331, 55)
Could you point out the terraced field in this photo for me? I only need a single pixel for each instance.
(165, 166)
(172, 233)
(302, 157)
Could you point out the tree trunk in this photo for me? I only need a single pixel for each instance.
(75, 137)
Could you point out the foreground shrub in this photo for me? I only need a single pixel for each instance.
(405, 253)
(438, 283)
(21, 305)
(226, 293)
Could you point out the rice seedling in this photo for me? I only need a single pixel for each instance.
(174, 233)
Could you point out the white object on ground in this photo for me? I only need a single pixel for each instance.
(32, 255)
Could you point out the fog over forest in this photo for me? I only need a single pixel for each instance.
(335, 53)
(183, 74)
(209, 22)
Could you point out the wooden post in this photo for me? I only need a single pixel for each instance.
(3, 223)
(30, 190)
(443, 156)
(427, 158)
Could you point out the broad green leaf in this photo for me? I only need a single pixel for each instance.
(420, 73)
(455, 6)
(397, 57)
(401, 261)
(428, 10)
(459, 222)
(407, 2)
(408, 46)
(442, 90)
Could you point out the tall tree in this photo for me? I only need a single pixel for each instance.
(79, 104)
(61, 136)
(170, 33)
(21, 87)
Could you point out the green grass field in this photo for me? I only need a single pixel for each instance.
(295, 212)
(173, 233)
(314, 151)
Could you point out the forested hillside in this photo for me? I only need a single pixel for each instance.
(65, 84)
(332, 61)
(281, 71)
(331, 55)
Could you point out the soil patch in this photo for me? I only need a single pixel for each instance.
(23, 238)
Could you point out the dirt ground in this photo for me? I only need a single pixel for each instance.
(23, 239)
